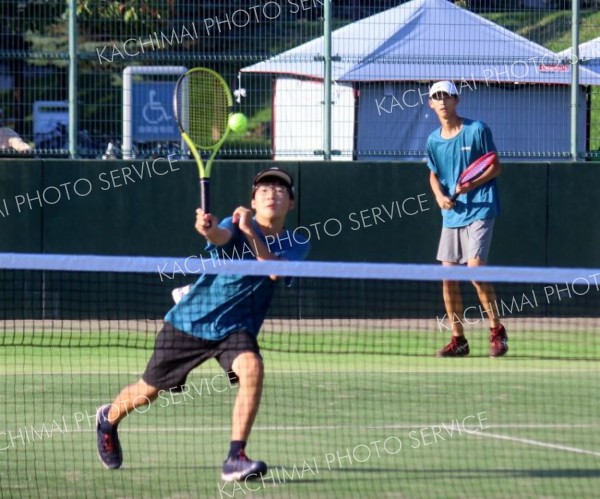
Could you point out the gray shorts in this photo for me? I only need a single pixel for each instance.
(461, 244)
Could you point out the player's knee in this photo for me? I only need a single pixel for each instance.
(481, 287)
(248, 366)
(451, 286)
(476, 262)
(146, 393)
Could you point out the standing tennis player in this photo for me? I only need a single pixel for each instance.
(219, 318)
(468, 222)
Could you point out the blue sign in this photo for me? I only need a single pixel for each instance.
(152, 112)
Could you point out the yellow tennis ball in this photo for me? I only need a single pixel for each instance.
(238, 122)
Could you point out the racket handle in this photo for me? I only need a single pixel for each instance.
(454, 196)
(205, 197)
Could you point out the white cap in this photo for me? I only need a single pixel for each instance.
(443, 86)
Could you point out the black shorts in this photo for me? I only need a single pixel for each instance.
(176, 353)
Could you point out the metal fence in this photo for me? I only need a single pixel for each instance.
(65, 86)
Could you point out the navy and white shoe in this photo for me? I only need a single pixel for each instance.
(242, 467)
(109, 447)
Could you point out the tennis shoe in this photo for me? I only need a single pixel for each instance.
(498, 341)
(241, 468)
(109, 447)
(458, 347)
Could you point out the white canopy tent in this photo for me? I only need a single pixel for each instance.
(298, 120)
(589, 55)
(383, 66)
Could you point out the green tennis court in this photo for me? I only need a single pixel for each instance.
(340, 125)
(397, 425)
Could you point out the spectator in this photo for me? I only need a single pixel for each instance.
(9, 139)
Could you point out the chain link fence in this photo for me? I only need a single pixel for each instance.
(505, 56)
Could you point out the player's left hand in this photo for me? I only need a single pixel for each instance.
(242, 216)
(445, 203)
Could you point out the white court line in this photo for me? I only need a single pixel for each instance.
(528, 441)
(470, 430)
(423, 370)
(426, 370)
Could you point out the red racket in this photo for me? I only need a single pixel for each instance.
(475, 170)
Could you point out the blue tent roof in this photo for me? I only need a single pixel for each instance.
(426, 40)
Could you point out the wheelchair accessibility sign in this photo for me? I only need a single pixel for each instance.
(152, 111)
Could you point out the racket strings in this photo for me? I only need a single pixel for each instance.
(478, 167)
(207, 108)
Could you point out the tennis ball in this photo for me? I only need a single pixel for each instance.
(238, 122)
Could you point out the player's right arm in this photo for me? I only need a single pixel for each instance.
(215, 235)
(443, 201)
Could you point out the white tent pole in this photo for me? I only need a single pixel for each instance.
(575, 103)
(327, 81)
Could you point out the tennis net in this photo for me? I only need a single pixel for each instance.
(355, 403)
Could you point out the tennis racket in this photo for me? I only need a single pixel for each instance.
(202, 104)
(475, 170)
